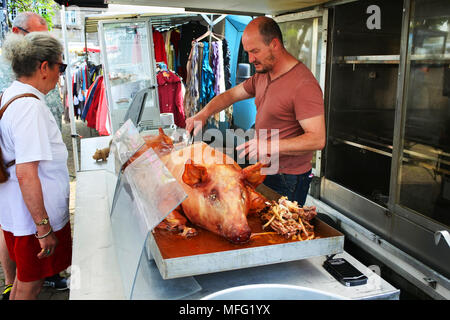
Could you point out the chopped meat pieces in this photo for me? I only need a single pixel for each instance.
(288, 219)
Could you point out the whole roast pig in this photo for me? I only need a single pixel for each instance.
(220, 194)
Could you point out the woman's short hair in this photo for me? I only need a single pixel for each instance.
(26, 53)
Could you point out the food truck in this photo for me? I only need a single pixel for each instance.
(381, 185)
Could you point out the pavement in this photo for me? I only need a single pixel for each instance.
(48, 293)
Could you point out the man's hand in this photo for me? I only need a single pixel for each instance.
(261, 148)
(196, 122)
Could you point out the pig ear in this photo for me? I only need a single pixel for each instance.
(165, 137)
(194, 174)
(252, 174)
(256, 201)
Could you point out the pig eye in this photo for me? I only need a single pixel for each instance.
(213, 195)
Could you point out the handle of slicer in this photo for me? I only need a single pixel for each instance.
(444, 234)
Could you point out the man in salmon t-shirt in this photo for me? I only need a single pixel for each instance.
(288, 99)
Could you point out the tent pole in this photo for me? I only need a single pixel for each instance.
(73, 128)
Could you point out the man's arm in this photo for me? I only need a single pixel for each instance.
(217, 104)
(313, 138)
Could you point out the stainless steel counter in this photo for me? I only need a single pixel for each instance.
(97, 273)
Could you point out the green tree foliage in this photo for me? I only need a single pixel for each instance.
(43, 7)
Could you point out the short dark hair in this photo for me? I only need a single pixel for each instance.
(269, 30)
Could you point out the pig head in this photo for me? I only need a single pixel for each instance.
(220, 193)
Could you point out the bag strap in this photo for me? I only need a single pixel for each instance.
(2, 111)
(23, 95)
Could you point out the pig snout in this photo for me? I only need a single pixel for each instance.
(239, 236)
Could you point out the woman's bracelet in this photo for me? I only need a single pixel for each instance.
(43, 236)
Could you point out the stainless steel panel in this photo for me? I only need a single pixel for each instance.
(414, 239)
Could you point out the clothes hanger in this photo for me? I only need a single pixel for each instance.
(207, 33)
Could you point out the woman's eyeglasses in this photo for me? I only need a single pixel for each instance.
(62, 67)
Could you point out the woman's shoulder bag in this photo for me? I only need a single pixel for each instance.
(3, 166)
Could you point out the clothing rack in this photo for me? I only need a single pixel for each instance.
(164, 28)
(211, 23)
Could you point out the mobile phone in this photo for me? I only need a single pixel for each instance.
(344, 272)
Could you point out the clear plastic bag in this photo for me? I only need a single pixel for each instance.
(126, 141)
(146, 194)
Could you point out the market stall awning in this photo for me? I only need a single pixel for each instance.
(83, 3)
(249, 7)
(158, 19)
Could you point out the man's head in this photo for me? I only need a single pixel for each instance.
(26, 22)
(263, 42)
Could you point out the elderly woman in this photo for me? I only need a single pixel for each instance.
(34, 212)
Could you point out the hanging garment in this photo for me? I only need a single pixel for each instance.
(170, 96)
(222, 85)
(226, 64)
(159, 46)
(166, 38)
(221, 68)
(215, 61)
(91, 116)
(103, 123)
(76, 103)
(206, 80)
(191, 91)
(175, 42)
(188, 33)
(92, 93)
(207, 86)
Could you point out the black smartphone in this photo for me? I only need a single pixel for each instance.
(344, 272)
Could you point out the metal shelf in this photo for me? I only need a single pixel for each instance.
(419, 158)
(375, 59)
(394, 59)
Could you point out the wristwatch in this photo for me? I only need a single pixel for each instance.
(42, 222)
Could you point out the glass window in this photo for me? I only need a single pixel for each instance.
(363, 95)
(303, 39)
(128, 61)
(298, 38)
(129, 68)
(12, 14)
(424, 178)
(71, 18)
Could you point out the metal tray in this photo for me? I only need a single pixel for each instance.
(331, 242)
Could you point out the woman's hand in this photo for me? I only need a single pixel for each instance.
(31, 188)
(48, 244)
